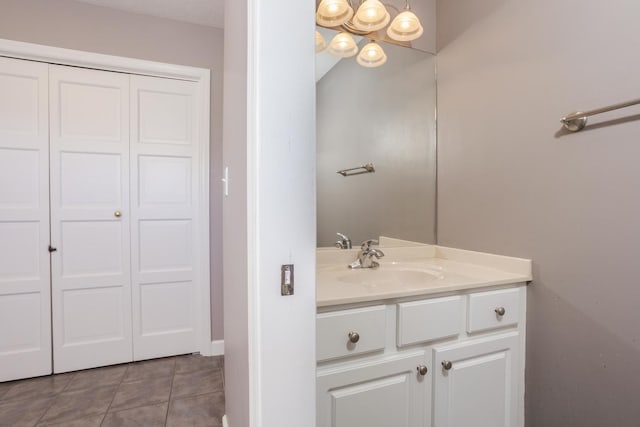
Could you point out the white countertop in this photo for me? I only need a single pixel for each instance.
(412, 271)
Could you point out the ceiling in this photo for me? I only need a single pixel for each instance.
(203, 12)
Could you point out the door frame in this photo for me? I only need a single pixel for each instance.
(202, 77)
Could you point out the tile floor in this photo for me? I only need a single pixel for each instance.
(176, 391)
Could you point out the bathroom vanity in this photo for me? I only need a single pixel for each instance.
(432, 337)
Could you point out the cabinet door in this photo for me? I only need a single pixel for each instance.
(166, 170)
(476, 383)
(91, 288)
(382, 393)
(25, 318)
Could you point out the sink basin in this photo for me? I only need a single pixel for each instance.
(395, 278)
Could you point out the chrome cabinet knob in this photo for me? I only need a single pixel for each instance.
(422, 370)
(117, 214)
(446, 364)
(354, 337)
(500, 311)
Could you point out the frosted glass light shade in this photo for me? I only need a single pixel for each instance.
(332, 13)
(372, 55)
(321, 44)
(343, 45)
(405, 27)
(371, 16)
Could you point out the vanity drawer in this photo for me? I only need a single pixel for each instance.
(429, 320)
(336, 332)
(494, 309)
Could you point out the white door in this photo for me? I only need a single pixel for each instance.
(90, 215)
(25, 316)
(385, 393)
(476, 383)
(164, 200)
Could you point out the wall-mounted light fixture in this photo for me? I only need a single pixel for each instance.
(332, 13)
(363, 18)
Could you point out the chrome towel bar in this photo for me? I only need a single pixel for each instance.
(577, 121)
(368, 168)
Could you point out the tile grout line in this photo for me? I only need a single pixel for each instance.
(55, 396)
(124, 374)
(173, 377)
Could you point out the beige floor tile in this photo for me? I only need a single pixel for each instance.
(4, 388)
(204, 410)
(98, 377)
(34, 388)
(23, 413)
(130, 395)
(90, 421)
(142, 393)
(150, 369)
(195, 362)
(145, 416)
(195, 383)
(73, 405)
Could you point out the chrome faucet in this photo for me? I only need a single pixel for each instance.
(366, 255)
(343, 242)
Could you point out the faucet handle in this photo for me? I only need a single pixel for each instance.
(344, 241)
(376, 253)
(366, 245)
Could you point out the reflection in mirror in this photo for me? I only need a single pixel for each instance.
(384, 116)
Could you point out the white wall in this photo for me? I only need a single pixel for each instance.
(512, 182)
(269, 145)
(282, 213)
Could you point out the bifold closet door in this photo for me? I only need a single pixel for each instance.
(25, 316)
(164, 186)
(90, 218)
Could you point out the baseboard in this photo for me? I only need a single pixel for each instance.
(224, 421)
(217, 348)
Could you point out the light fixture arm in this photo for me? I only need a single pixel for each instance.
(390, 6)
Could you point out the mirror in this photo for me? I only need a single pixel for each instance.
(385, 116)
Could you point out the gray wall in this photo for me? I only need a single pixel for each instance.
(236, 266)
(74, 25)
(386, 116)
(511, 182)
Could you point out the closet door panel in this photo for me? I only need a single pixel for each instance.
(164, 127)
(90, 218)
(25, 317)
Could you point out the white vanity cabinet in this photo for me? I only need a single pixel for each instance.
(381, 392)
(453, 360)
(476, 383)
